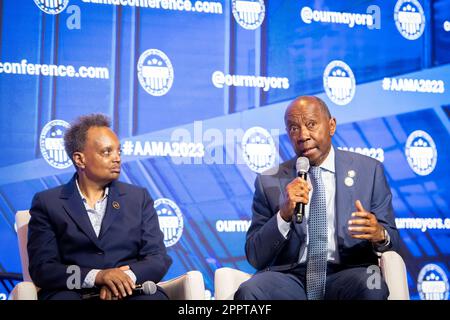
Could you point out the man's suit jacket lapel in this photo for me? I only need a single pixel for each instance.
(344, 193)
(286, 174)
(113, 208)
(73, 204)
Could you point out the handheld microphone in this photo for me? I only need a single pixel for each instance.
(147, 288)
(302, 167)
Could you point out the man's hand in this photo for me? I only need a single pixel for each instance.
(296, 191)
(364, 225)
(106, 294)
(116, 280)
(124, 268)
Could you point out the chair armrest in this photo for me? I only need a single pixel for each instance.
(394, 273)
(189, 286)
(25, 290)
(227, 281)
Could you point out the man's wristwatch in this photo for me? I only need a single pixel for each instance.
(385, 238)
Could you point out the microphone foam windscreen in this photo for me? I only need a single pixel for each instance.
(149, 287)
(302, 164)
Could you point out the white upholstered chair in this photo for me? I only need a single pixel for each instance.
(189, 286)
(228, 280)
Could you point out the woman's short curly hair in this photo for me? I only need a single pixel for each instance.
(75, 136)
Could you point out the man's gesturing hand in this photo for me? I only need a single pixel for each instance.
(364, 225)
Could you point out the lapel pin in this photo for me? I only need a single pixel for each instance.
(115, 205)
(349, 182)
(351, 173)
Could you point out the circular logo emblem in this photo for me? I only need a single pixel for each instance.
(421, 152)
(249, 14)
(51, 143)
(409, 18)
(52, 6)
(258, 149)
(446, 26)
(349, 181)
(155, 72)
(339, 82)
(170, 220)
(432, 283)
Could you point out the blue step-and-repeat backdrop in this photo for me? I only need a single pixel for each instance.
(196, 91)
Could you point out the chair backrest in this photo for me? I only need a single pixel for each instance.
(189, 286)
(22, 219)
(227, 282)
(394, 272)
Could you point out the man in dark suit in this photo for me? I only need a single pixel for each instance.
(95, 234)
(348, 218)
